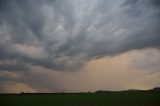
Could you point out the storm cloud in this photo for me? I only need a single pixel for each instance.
(66, 34)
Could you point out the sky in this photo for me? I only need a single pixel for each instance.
(79, 45)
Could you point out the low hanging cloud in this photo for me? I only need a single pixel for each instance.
(66, 34)
(137, 69)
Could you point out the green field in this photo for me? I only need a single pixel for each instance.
(136, 98)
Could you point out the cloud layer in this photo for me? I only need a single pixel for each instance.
(66, 34)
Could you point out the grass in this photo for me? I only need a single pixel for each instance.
(83, 99)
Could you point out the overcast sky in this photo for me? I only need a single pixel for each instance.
(79, 45)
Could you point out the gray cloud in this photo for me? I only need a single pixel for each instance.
(64, 34)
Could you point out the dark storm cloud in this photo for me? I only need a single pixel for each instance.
(14, 67)
(64, 34)
(130, 2)
(156, 3)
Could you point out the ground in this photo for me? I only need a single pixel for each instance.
(129, 98)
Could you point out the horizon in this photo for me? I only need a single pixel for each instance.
(79, 46)
(98, 91)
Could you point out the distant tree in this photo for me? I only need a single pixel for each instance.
(22, 92)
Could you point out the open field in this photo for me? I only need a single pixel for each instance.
(127, 98)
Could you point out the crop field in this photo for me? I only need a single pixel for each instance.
(82, 99)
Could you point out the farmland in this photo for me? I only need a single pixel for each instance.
(125, 98)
